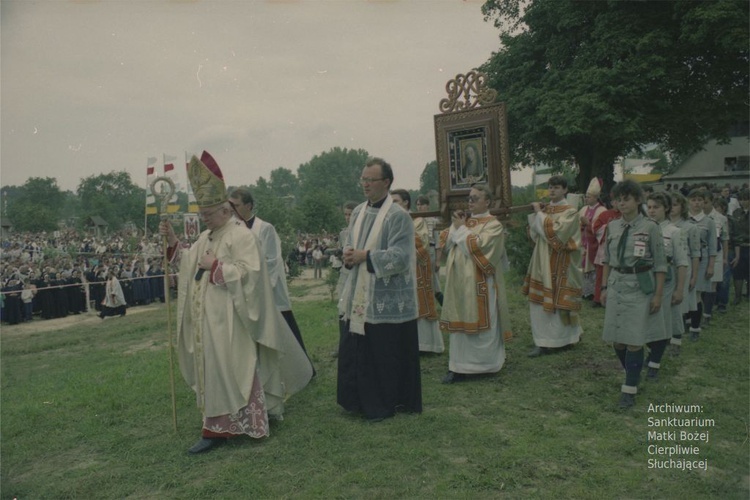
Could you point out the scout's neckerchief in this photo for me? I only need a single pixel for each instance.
(361, 299)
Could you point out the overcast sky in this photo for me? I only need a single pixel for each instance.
(91, 87)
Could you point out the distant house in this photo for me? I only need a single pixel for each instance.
(717, 163)
(97, 225)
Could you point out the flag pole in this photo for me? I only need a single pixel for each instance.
(164, 197)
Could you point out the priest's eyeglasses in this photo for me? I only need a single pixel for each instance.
(474, 199)
(368, 180)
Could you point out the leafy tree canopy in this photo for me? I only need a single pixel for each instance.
(272, 206)
(35, 206)
(310, 202)
(319, 212)
(336, 173)
(590, 81)
(284, 183)
(113, 197)
(429, 178)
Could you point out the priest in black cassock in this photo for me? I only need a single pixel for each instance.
(378, 363)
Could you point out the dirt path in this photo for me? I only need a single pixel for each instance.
(50, 325)
(315, 289)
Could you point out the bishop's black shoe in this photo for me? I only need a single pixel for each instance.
(207, 444)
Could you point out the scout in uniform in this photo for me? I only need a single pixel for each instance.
(692, 245)
(707, 233)
(658, 335)
(721, 225)
(634, 271)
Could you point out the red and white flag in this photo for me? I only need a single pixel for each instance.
(150, 176)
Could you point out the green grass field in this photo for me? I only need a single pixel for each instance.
(86, 413)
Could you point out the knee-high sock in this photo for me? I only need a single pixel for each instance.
(695, 316)
(738, 284)
(708, 300)
(633, 367)
(620, 355)
(657, 351)
(722, 293)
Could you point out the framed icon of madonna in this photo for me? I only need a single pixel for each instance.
(472, 148)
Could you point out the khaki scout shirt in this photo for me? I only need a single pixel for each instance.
(707, 231)
(643, 237)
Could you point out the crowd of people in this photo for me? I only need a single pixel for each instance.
(314, 251)
(53, 275)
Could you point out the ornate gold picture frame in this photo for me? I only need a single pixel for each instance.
(472, 147)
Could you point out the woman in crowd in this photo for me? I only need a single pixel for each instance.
(722, 253)
(658, 336)
(690, 241)
(722, 287)
(707, 233)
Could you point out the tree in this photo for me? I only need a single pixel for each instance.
(590, 81)
(277, 210)
(336, 173)
(429, 178)
(70, 208)
(8, 194)
(273, 207)
(37, 205)
(113, 197)
(284, 183)
(319, 212)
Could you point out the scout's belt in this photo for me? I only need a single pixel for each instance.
(633, 270)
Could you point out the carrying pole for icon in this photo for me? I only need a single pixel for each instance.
(164, 196)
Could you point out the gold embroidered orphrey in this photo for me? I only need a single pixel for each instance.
(471, 116)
